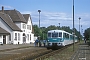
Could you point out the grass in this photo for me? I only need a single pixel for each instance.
(65, 54)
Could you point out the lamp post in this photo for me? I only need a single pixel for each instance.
(39, 17)
(59, 25)
(79, 28)
(39, 27)
(73, 27)
(81, 32)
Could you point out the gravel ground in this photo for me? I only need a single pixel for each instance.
(12, 46)
(65, 54)
(20, 53)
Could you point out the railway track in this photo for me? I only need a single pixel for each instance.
(42, 56)
(53, 52)
(22, 54)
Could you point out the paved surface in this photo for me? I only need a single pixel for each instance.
(83, 53)
(6, 46)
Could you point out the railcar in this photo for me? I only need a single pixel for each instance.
(58, 38)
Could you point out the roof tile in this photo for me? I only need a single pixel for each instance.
(15, 15)
(2, 31)
(6, 18)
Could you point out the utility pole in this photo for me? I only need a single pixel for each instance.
(73, 27)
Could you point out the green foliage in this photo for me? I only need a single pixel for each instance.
(36, 30)
(78, 34)
(52, 27)
(66, 28)
(87, 34)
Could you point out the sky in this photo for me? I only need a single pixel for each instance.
(53, 12)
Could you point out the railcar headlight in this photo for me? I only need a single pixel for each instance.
(61, 40)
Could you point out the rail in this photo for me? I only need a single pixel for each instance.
(50, 54)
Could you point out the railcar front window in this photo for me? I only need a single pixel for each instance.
(60, 34)
(49, 34)
(54, 34)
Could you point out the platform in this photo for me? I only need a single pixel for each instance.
(83, 52)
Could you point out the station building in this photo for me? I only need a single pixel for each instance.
(15, 28)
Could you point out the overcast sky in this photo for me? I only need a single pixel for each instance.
(53, 12)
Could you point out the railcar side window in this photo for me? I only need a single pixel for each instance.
(49, 34)
(54, 34)
(60, 34)
(71, 37)
(66, 35)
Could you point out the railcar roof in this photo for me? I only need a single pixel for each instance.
(56, 31)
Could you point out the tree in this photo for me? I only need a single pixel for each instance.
(51, 27)
(87, 34)
(44, 33)
(36, 30)
(66, 28)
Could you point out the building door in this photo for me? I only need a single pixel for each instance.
(24, 38)
(4, 39)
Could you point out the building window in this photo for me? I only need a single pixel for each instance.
(29, 27)
(10, 37)
(27, 36)
(24, 26)
(18, 36)
(30, 37)
(23, 34)
(15, 36)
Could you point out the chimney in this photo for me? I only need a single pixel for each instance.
(2, 9)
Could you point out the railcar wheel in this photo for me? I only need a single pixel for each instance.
(48, 48)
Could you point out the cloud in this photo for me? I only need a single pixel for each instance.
(85, 18)
(54, 18)
(6, 6)
(84, 21)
